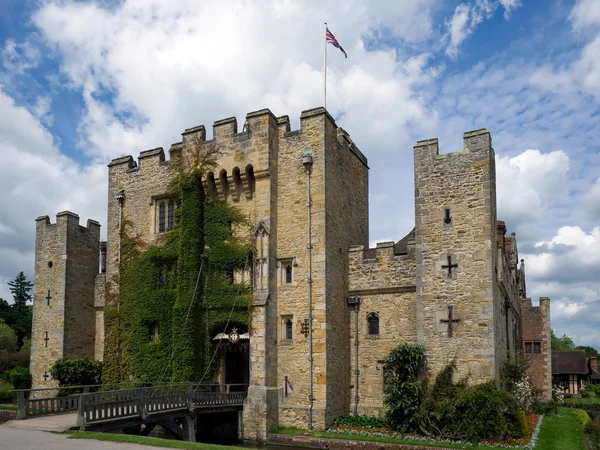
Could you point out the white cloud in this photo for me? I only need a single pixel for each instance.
(585, 13)
(36, 179)
(591, 202)
(467, 17)
(132, 49)
(527, 183)
(572, 255)
(582, 73)
(509, 6)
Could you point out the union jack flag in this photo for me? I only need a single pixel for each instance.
(333, 41)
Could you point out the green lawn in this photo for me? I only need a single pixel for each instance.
(389, 440)
(9, 408)
(154, 442)
(562, 432)
(584, 401)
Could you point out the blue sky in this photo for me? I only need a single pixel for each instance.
(82, 82)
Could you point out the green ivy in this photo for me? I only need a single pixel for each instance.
(402, 385)
(160, 287)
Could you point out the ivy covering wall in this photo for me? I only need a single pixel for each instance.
(174, 297)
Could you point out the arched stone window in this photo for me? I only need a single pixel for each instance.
(171, 216)
(288, 329)
(162, 212)
(373, 324)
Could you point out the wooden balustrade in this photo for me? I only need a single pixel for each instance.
(132, 399)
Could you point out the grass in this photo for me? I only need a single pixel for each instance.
(583, 401)
(386, 440)
(142, 440)
(562, 432)
(9, 408)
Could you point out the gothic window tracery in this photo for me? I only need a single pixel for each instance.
(171, 216)
(162, 209)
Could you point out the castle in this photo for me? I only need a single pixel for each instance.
(454, 284)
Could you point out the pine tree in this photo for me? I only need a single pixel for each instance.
(20, 315)
(20, 288)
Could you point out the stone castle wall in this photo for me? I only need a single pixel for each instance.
(463, 183)
(385, 283)
(66, 263)
(259, 171)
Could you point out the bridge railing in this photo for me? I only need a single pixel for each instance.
(55, 400)
(114, 405)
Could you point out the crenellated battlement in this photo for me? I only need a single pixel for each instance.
(67, 219)
(237, 149)
(473, 142)
(389, 264)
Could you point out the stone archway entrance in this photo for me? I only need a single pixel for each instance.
(234, 353)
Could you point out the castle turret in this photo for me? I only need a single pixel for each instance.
(455, 216)
(66, 265)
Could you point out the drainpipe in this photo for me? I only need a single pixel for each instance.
(355, 301)
(307, 162)
(120, 197)
(507, 305)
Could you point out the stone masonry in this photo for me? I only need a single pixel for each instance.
(66, 264)
(469, 313)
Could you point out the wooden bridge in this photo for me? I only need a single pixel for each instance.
(134, 409)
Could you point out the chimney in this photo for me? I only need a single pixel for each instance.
(500, 232)
(103, 256)
(594, 363)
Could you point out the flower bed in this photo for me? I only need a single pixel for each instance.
(528, 442)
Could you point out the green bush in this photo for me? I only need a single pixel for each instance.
(593, 432)
(9, 361)
(473, 413)
(521, 428)
(402, 388)
(76, 372)
(5, 395)
(361, 421)
(545, 406)
(20, 378)
(582, 416)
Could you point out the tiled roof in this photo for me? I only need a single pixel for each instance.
(569, 361)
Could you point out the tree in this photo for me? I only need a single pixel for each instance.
(20, 288)
(562, 343)
(19, 314)
(8, 338)
(590, 352)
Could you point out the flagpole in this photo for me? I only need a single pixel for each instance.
(325, 70)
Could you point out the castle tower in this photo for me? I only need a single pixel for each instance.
(458, 314)
(66, 265)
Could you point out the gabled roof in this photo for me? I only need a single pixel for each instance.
(569, 361)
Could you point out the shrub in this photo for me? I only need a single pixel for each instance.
(544, 407)
(76, 372)
(521, 428)
(458, 411)
(20, 378)
(515, 380)
(5, 395)
(583, 417)
(361, 421)
(593, 432)
(402, 388)
(9, 361)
